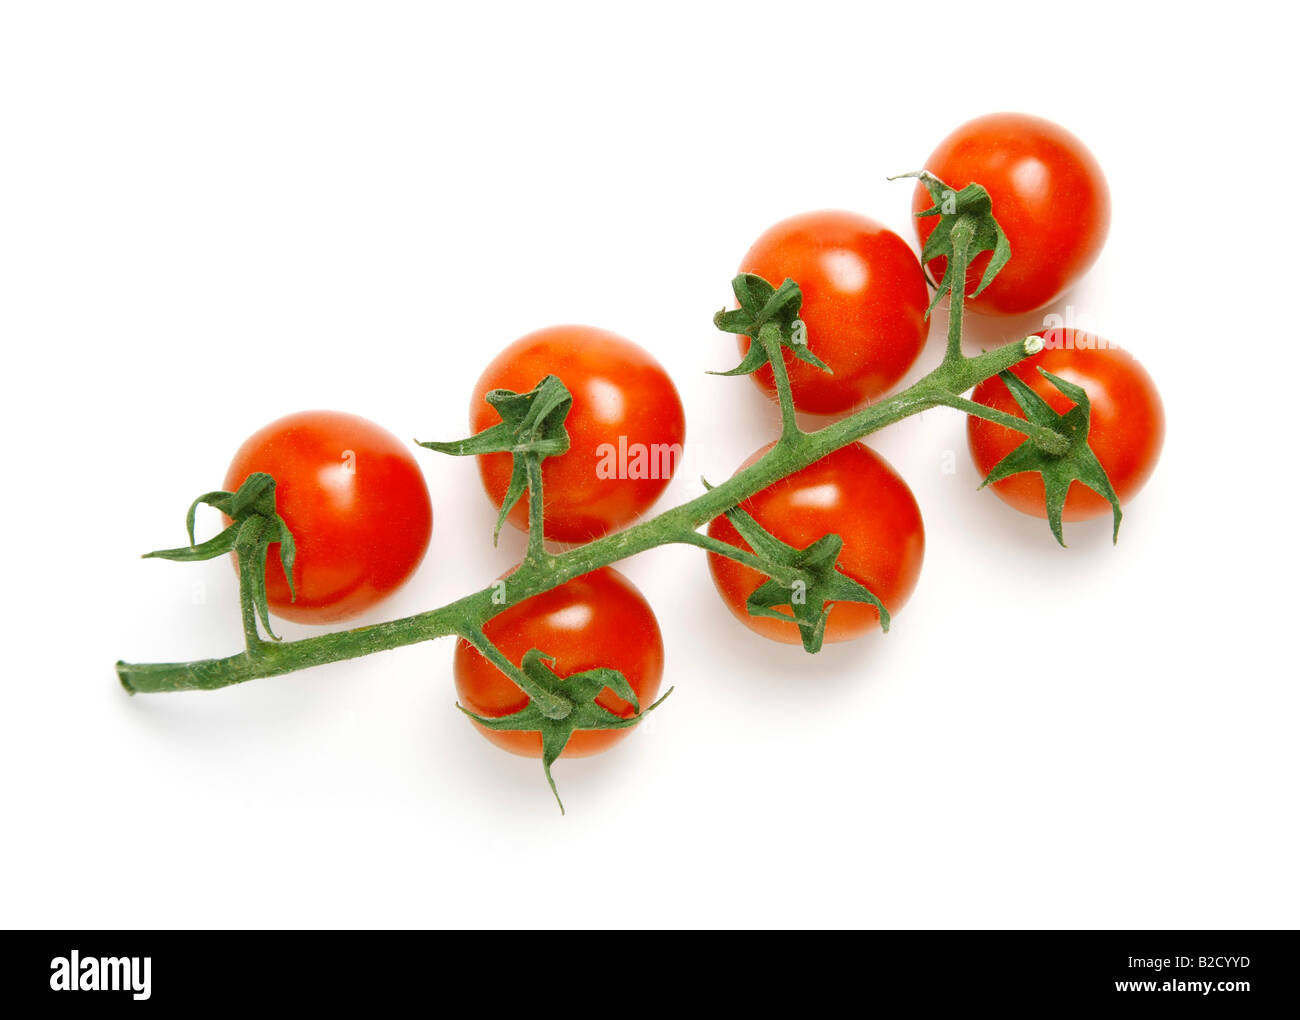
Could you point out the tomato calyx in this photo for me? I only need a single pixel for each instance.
(777, 308)
(558, 706)
(966, 228)
(1059, 470)
(531, 429)
(769, 316)
(254, 526)
(805, 580)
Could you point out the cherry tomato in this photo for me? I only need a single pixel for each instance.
(864, 300)
(1126, 428)
(853, 493)
(596, 620)
(626, 429)
(1049, 195)
(357, 505)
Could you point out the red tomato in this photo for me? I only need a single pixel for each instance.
(596, 620)
(1126, 428)
(356, 503)
(1048, 194)
(626, 429)
(853, 493)
(864, 300)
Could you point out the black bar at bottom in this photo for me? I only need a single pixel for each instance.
(545, 971)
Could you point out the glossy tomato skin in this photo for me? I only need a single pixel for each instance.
(864, 300)
(596, 620)
(626, 429)
(1126, 428)
(1049, 195)
(357, 505)
(853, 493)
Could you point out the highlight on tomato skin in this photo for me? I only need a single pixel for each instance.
(1126, 428)
(597, 620)
(1049, 196)
(864, 302)
(853, 493)
(626, 429)
(356, 503)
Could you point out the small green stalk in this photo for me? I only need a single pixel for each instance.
(959, 261)
(536, 518)
(769, 337)
(1046, 439)
(732, 552)
(551, 705)
(248, 613)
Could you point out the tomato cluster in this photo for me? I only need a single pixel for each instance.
(355, 499)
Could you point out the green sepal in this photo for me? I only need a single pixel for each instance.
(254, 526)
(574, 708)
(961, 234)
(1077, 463)
(762, 304)
(814, 567)
(531, 426)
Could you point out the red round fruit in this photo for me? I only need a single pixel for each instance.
(864, 300)
(1049, 195)
(1126, 427)
(594, 621)
(356, 503)
(853, 493)
(626, 429)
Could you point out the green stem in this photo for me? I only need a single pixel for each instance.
(247, 611)
(962, 234)
(769, 338)
(716, 545)
(1043, 437)
(536, 518)
(467, 615)
(550, 705)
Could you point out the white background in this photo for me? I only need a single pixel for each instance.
(211, 215)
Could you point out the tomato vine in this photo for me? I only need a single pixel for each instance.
(532, 428)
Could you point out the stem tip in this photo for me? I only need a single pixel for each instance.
(123, 672)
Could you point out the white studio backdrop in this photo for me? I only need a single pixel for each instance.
(212, 215)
